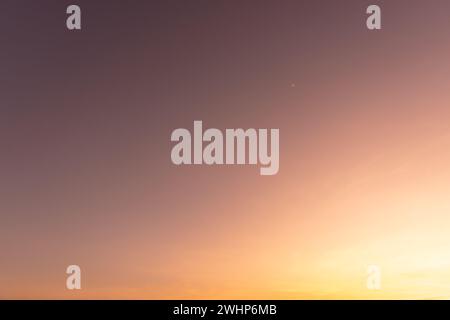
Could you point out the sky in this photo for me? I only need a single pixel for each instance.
(86, 176)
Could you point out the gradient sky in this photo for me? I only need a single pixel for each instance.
(85, 170)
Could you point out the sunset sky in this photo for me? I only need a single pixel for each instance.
(86, 176)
